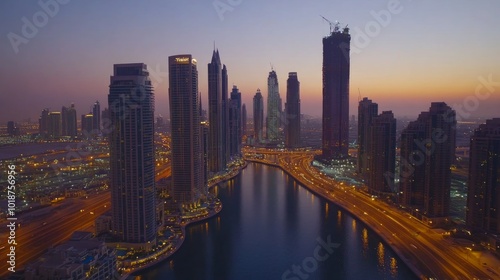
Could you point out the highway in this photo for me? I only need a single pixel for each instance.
(421, 247)
(36, 235)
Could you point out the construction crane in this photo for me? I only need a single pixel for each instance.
(334, 26)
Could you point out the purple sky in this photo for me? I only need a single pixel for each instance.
(404, 54)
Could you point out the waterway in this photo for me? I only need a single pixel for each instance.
(273, 228)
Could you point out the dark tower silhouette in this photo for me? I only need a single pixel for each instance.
(367, 110)
(243, 120)
(187, 151)
(483, 199)
(427, 151)
(258, 116)
(132, 159)
(225, 117)
(336, 65)
(292, 111)
(96, 112)
(216, 153)
(235, 122)
(382, 153)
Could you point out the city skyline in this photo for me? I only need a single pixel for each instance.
(380, 194)
(421, 59)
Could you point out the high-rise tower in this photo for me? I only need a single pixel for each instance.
(273, 107)
(427, 151)
(258, 116)
(243, 119)
(382, 153)
(96, 112)
(483, 199)
(187, 152)
(69, 127)
(132, 160)
(87, 124)
(55, 125)
(367, 110)
(225, 117)
(292, 111)
(216, 156)
(336, 65)
(235, 122)
(43, 122)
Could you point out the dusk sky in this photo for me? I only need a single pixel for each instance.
(426, 51)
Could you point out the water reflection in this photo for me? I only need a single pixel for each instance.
(267, 225)
(381, 256)
(364, 236)
(394, 268)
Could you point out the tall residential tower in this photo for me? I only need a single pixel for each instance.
(258, 116)
(427, 151)
(187, 151)
(96, 112)
(483, 199)
(235, 131)
(367, 110)
(382, 154)
(216, 153)
(132, 160)
(292, 111)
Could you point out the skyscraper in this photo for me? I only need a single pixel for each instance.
(258, 116)
(235, 122)
(382, 153)
(43, 122)
(336, 65)
(215, 141)
(55, 125)
(187, 154)
(87, 123)
(292, 111)
(225, 117)
(69, 126)
(427, 151)
(96, 112)
(243, 120)
(483, 199)
(132, 160)
(204, 135)
(367, 110)
(105, 122)
(273, 107)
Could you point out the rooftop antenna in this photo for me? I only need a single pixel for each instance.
(359, 95)
(272, 67)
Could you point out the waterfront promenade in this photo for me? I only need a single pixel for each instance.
(177, 242)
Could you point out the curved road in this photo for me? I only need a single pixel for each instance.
(421, 247)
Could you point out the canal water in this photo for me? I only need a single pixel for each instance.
(273, 228)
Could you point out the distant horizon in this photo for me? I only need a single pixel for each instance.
(398, 60)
